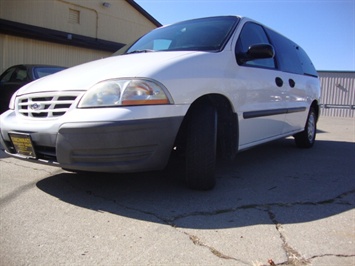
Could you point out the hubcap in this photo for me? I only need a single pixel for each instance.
(311, 127)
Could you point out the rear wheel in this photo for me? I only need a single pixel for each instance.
(201, 142)
(306, 138)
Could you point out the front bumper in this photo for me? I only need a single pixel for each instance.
(121, 146)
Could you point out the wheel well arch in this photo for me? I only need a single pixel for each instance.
(315, 106)
(228, 128)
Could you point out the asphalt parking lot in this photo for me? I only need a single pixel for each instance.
(273, 205)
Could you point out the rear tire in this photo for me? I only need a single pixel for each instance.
(201, 142)
(306, 138)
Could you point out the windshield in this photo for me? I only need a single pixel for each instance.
(207, 34)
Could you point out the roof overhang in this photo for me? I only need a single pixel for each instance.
(144, 13)
(55, 36)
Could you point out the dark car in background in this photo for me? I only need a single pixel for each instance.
(15, 77)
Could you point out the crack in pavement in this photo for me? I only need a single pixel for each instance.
(294, 258)
(5, 200)
(195, 240)
(58, 170)
(8, 198)
(214, 251)
(263, 206)
(331, 255)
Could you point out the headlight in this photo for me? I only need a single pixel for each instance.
(118, 92)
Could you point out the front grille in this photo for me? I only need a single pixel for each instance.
(46, 104)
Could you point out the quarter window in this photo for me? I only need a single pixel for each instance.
(307, 65)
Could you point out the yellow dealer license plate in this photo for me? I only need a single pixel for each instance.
(23, 145)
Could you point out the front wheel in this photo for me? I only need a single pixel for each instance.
(201, 142)
(306, 138)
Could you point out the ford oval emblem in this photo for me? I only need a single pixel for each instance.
(36, 106)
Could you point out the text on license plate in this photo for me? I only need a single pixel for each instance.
(23, 144)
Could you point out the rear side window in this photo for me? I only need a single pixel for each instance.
(290, 57)
(286, 53)
(253, 34)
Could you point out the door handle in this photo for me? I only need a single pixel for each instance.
(291, 82)
(279, 82)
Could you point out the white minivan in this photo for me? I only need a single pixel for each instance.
(204, 88)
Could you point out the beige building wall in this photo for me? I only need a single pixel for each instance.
(118, 22)
(18, 50)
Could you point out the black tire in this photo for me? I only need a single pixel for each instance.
(306, 138)
(201, 142)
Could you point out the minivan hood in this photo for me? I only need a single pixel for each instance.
(83, 77)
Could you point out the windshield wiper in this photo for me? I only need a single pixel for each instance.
(141, 51)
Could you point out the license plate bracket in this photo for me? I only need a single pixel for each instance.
(23, 144)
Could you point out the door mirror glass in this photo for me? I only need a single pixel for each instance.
(256, 51)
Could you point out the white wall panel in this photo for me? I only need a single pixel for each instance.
(338, 93)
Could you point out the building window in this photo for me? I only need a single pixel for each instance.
(74, 16)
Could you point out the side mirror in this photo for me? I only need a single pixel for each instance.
(256, 51)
